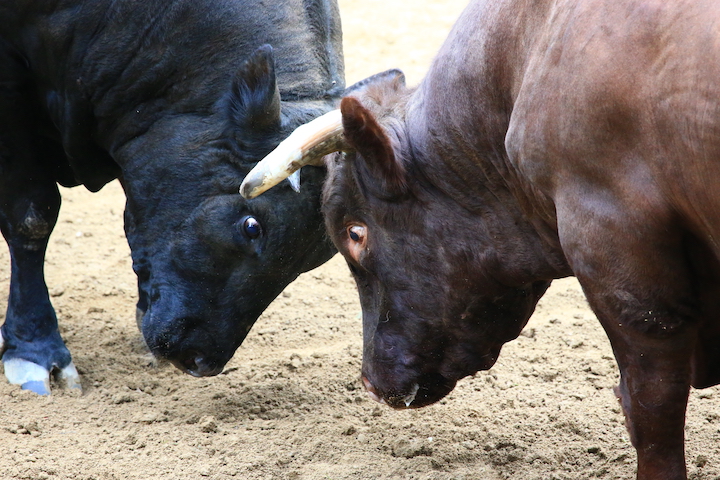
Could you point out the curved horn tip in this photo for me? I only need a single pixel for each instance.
(250, 190)
(304, 146)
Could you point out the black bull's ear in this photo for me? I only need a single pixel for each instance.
(378, 166)
(254, 104)
(393, 77)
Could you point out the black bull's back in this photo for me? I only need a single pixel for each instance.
(176, 99)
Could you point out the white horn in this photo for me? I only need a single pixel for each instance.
(305, 146)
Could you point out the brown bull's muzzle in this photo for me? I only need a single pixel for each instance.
(421, 391)
(307, 145)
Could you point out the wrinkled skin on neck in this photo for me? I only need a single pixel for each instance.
(440, 295)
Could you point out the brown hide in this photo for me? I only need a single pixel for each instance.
(549, 138)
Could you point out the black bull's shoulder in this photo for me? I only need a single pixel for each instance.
(176, 99)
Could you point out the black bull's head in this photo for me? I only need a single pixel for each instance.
(437, 303)
(208, 261)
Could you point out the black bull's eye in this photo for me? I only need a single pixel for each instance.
(251, 227)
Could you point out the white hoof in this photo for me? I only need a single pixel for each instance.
(69, 377)
(33, 377)
(29, 375)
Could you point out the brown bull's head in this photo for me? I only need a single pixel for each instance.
(437, 304)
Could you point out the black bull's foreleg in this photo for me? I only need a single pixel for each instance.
(30, 342)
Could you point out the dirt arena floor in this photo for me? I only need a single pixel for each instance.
(290, 404)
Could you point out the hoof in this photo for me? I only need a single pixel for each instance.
(69, 377)
(30, 376)
(33, 377)
(36, 386)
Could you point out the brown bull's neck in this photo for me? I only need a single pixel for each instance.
(472, 168)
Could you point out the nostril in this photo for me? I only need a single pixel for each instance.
(154, 296)
(371, 391)
(187, 360)
(367, 384)
(196, 364)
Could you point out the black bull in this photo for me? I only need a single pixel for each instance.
(177, 99)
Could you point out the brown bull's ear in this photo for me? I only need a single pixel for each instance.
(379, 167)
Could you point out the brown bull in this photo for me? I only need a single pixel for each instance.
(550, 138)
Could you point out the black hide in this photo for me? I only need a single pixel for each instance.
(177, 99)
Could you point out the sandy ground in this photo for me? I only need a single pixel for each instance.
(290, 405)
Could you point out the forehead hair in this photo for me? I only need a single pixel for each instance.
(351, 189)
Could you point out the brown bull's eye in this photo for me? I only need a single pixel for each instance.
(356, 241)
(356, 233)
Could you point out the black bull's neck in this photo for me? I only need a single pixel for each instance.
(108, 71)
